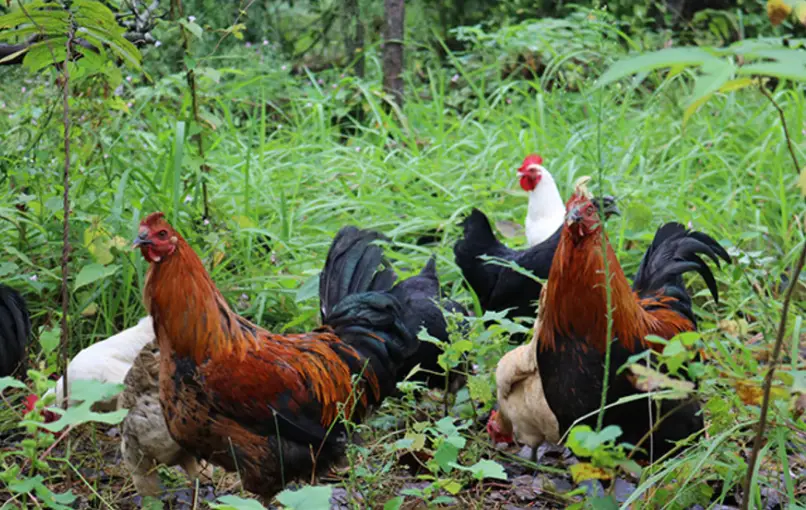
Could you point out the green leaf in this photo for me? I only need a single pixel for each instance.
(192, 27)
(714, 77)
(49, 339)
(92, 273)
(487, 468)
(802, 182)
(583, 440)
(88, 392)
(446, 456)
(669, 57)
(236, 503)
(394, 503)
(7, 268)
(10, 382)
(308, 289)
(307, 498)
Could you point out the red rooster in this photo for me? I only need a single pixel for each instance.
(266, 405)
(573, 328)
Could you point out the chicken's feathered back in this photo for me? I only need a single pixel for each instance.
(497, 287)
(15, 329)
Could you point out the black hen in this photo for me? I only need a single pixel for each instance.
(417, 294)
(15, 328)
(500, 288)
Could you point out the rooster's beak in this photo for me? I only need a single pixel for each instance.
(142, 239)
(607, 205)
(573, 216)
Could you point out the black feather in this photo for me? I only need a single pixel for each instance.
(420, 296)
(15, 329)
(676, 250)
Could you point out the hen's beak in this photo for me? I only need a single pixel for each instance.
(142, 239)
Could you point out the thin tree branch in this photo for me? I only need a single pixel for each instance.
(65, 336)
(789, 143)
(779, 339)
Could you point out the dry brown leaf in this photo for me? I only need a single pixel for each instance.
(647, 379)
(737, 328)
(800, 406)
(777, 11)
(587, 471)
(752, 393)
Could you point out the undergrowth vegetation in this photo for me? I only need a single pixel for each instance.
(293, 154)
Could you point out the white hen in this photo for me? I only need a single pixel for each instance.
(107, 361)
(546, 209)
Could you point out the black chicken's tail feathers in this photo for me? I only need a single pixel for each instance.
(674, 251)
(15, 329)
(355, 302)
(353, 266)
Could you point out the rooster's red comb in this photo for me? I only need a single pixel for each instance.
(532, 159)
(152, 219)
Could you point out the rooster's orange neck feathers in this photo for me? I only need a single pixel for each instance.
(576, 300)
(189, 312)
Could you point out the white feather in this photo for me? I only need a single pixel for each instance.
(546, 210)
(108, 360)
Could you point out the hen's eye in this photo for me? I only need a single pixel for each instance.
(590, 209)
(163, 234)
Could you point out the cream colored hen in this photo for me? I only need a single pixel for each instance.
(146, 442)
(523, 411)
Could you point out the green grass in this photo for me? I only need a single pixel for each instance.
(283, 176)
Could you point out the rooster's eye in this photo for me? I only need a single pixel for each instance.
(163, 234)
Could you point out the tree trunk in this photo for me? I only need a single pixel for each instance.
(354, 36)
(395, 13)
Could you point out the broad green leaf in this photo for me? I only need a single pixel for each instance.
(394, 503)
(236, 503)
(452, 487)
(446, 456)
(49, 338)
(775, 69)
(657, 60)
(10, 382)
(192, 27)
(604, 503)
(487, 468)
(714, 77)
(307, 498)
(583, 440)
(7, 268)
(88, 393)
(308, 289)
(92, 273)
